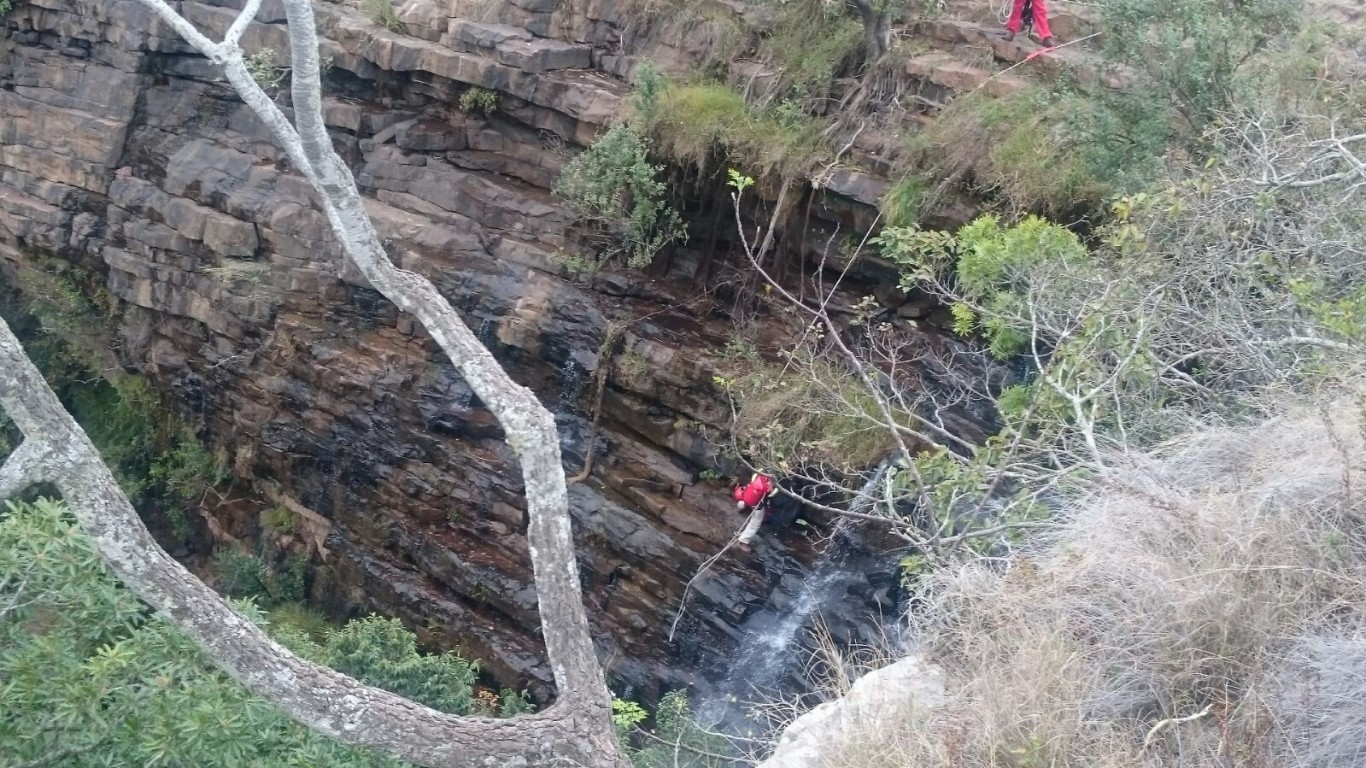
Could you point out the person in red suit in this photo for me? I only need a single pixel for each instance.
(1036, 11)
(753, 497)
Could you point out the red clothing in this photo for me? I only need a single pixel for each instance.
(1039, 12)
(755, 492)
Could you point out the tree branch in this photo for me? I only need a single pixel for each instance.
(25, 467)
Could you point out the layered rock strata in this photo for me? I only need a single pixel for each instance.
(122, 152)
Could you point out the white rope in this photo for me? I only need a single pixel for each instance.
(682, 602)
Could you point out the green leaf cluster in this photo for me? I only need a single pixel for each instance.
(92, 678)
(614, 185)
(674, 725)
(1190, 51)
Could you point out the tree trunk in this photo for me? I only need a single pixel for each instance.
(577, 729)
(877, 25)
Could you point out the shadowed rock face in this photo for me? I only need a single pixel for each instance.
(123, 153)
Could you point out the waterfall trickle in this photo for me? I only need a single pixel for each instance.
(571, 383)
(773, 659)
(485, 334)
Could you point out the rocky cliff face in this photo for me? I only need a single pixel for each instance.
(124, 153)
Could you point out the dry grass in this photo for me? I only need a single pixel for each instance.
(1204, 608)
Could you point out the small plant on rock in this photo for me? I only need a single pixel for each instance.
(382, 12)
(278, 520)
(261, 65)
(480, 100)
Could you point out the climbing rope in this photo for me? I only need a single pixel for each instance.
(1034, 55)
(683, 601)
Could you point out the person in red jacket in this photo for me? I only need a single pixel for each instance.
(754, 497)
(1037, 13)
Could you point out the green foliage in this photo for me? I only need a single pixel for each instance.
(627, 714)
(279, 520)
(481, 100)
(994, 266)
(91, 675)
(512, 703)
(613, 184)
(1341, 312)
(244, 575)
(158, 461)
(705, 122)
(262, 68)
(382, 13)
(674, 725)
(5, 6)
(382, 653)
(299, 620)
(902, 202)
(1190, 51)
(184, 472)
(1042, 149)
(241, 574)
(809, 43)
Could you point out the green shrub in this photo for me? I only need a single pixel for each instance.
(93, 677)
(241, 574)
(382, 653)
(901, 203)
(480, 100)
(262, 68)
(299, 618)
(674, 725)
(809, 43)
(1042, 150)
(1190, 51)
(288, 584)
(613, 185)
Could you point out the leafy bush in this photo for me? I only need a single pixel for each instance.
(809, 43)
(705, 123)
(480, 100)
(241, 574)
(262, 68)
(1042, 150)
(676, 741)
(1190, 51)
(382, 653)
(613, 184)
(92, 678)
(902, 202)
